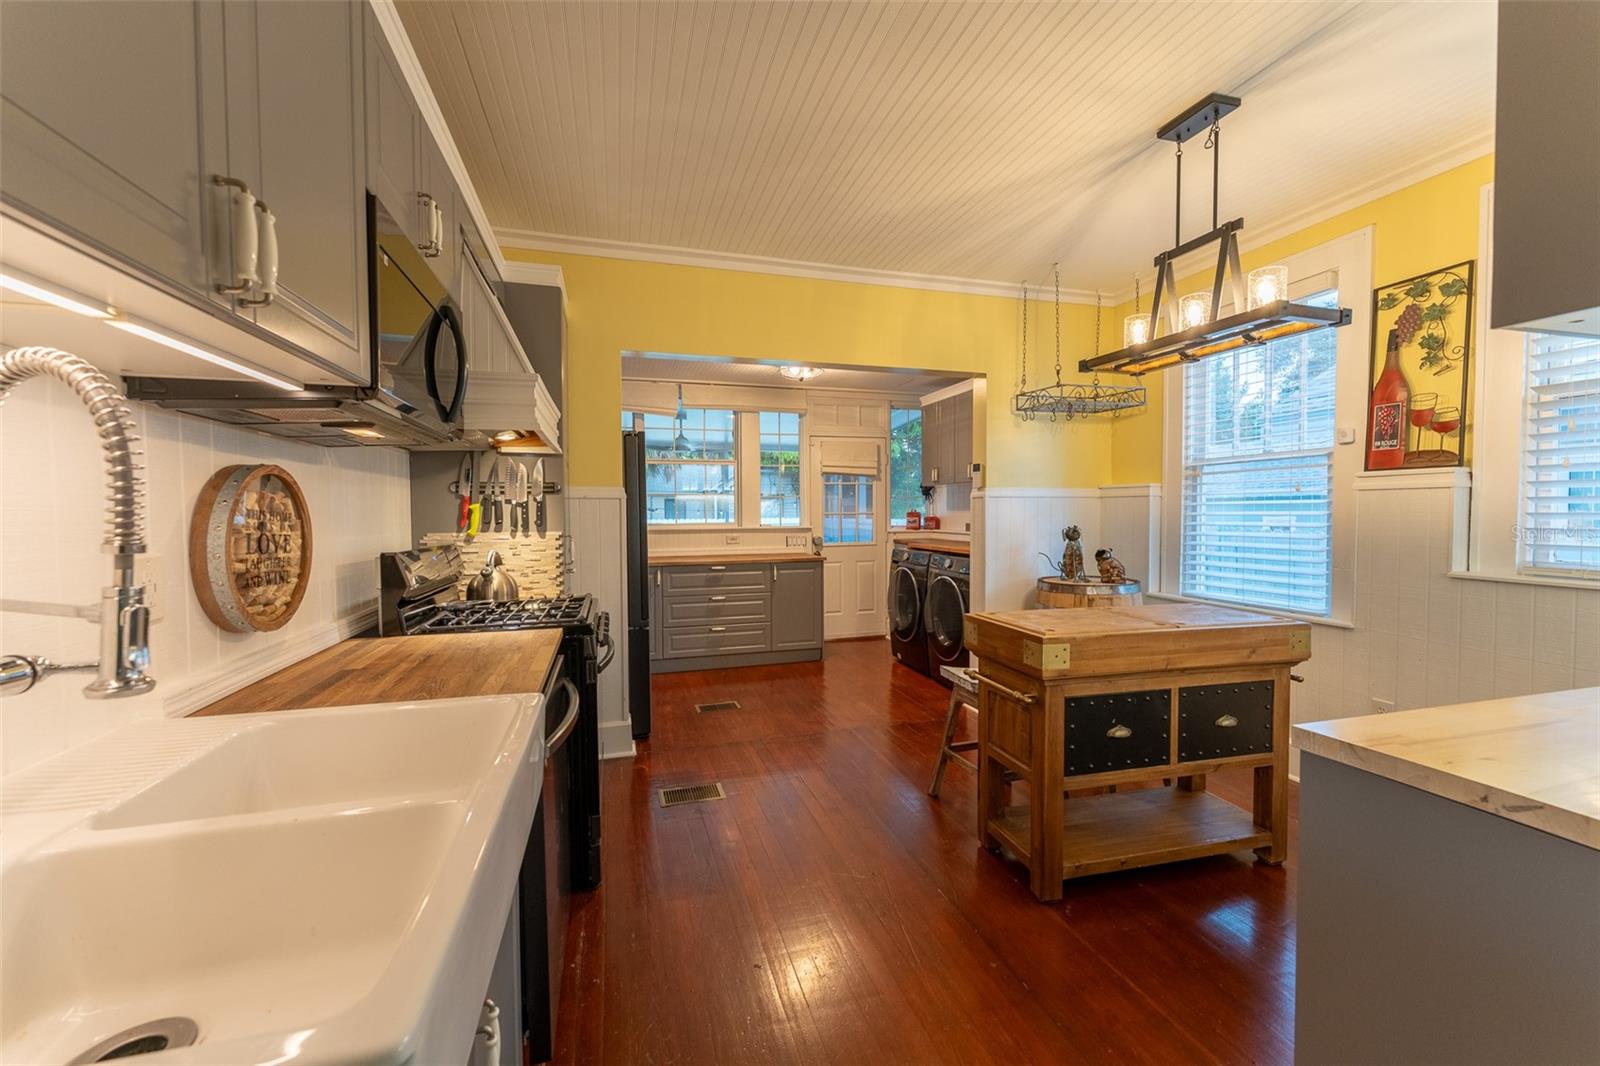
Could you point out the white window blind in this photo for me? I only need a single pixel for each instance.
(1258, 437)
(1559, 526)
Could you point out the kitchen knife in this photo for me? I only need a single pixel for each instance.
(513, 506)
(464, 490)
(536, 489)
(519, 497)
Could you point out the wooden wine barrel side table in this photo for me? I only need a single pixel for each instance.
(1076, 699)
(1058, 592)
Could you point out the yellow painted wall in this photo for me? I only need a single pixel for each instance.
(1431, 224)
(617, 305)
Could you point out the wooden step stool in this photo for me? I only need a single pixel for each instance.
(963, 692)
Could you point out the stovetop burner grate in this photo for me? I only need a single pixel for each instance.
(464, 616)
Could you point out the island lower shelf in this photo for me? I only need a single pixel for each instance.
(1126, 830)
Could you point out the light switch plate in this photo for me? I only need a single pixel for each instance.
(730, 538)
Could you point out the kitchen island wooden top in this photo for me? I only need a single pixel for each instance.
(730, 558)
(383, 669)
(1073, 642)
(1530, 759)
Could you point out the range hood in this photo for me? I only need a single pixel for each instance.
(331, 416)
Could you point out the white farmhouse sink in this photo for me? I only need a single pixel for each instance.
(309, 886)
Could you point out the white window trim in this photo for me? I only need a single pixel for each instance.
(747, 477)
(1498, 408)
(1347, 262)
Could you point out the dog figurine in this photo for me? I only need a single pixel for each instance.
(1112, 572)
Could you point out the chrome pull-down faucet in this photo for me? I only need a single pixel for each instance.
(123, 612)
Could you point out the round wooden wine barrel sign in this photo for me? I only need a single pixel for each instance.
(250, 547)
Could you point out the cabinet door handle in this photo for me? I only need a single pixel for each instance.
(267, 265)
(1227, 721)
(242, 228)
(1119, 732)
(432, 246)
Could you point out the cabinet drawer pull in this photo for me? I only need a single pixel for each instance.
(1227, 721)
(718, 599)
(1004, 690)
(1119, 732)
(719, 629)
(716, 568)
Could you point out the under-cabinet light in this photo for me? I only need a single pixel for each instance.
(50, 296)
(186, 348)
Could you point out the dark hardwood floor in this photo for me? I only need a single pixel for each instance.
(830, 911)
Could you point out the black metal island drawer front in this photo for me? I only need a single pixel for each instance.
(1218, 721)
(1118, 731)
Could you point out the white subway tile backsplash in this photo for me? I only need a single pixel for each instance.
(51, 516)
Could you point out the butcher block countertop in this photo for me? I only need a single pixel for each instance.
(730, 558)
(1075, 642)
(385, 669)
(1530, 759)
(943, 547)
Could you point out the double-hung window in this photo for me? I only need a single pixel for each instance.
(1558, 528)
(690, 471)
(1257, 469)
(780, 467)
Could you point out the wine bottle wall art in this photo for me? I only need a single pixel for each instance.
(1417, 382)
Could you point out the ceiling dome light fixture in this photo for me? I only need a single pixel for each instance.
(799, 373)
(1195, 325)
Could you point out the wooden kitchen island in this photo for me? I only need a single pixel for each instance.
(1155, 695)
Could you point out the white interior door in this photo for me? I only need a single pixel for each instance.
(850, 509)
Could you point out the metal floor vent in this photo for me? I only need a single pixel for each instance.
(672, 797)
(719, 705)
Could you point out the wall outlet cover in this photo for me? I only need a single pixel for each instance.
(730, 538)
(1382, 706)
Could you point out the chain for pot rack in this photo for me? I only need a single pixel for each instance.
(1064, 400)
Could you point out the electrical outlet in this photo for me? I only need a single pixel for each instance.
(147, 572)
(730, 538)
(1382, 706)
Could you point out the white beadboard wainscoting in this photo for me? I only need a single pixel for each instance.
(52, 517)
(1419, 637)
(597, 543)
(1010, 527)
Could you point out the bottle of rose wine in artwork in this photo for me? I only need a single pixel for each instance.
(1386, 422)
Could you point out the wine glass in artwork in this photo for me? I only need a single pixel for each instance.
(1422, 405)
(1446, 420)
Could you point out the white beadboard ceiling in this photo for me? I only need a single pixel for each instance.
(961, 140)
(717, 370)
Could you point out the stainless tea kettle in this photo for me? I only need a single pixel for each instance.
(492, 582)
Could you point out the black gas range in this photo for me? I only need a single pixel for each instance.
(419, 595)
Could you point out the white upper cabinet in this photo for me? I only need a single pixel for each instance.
(101, 110)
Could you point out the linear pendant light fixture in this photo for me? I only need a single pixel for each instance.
(1195, 328)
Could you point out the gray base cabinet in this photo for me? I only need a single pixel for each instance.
(735, 614)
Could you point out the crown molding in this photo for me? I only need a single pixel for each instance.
(759, 264)
(1474, 147)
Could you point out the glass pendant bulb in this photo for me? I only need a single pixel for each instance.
(1194, 310)
(1135, 330)
(1268, 284)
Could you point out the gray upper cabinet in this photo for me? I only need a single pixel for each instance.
(930, 444)
(102, 108)
(796, 605)
(295, 137)
(394, 133)
(947, 440)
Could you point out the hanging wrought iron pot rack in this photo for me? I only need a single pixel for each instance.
(1065, 400)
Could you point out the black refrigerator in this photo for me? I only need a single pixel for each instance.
(638, 585)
